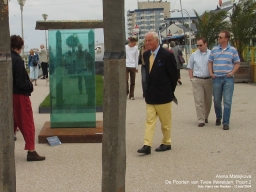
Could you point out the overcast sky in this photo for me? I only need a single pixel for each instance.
(78, 10)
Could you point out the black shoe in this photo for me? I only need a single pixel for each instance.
(225, 127)
(200, 124)
(180, 83)
(43, 78)
(145, 149)
(218, 122)
(206, 120)
(163, 147)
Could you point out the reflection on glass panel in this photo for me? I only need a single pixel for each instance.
(72, 78)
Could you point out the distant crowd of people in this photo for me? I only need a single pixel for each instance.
(37, 59)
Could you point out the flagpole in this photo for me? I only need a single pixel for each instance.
(184, 31)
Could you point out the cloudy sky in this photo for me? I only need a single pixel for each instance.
(78, 10)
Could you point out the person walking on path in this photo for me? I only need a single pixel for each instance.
(132, 57)
(33, 61)
(167, 47)
(223, 64)
(143, 68)
(22, 110)
(176, 51)
(201, 81)
(161, 75)
(44, 60)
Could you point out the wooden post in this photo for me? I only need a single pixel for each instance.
(7, 161)
(114, 108)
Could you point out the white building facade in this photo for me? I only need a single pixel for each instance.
(145, 19)
(149, 16)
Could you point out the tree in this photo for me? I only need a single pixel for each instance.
(209, 24)
(243, 25)
(7, 162)
(72, 41)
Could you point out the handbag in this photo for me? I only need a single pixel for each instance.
(181, 59)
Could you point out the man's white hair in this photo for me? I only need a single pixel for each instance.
(155, 35)
(165, 46)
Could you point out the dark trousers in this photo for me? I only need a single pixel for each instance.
(143, 79)
(178, 72)
(23, 119)
(132, 72)
(45, 69)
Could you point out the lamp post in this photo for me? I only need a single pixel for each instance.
(45, 17)
(189, 26)
(159, 34)
(22, 3)
(165, 24)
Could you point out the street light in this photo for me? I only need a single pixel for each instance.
(184, 10)
(22, 3)
(45, 17)
(160, 36)
(165, 24)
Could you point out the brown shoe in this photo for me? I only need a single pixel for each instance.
(33, 156)
(200, 124)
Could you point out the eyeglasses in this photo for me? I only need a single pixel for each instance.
(199, 45)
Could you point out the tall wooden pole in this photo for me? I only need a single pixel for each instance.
(114, 107)
(7, 161)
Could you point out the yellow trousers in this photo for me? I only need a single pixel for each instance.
(163, 111)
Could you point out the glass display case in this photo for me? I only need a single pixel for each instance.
(72, 78)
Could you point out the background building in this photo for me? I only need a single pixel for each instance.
(149, 16)
(144, 4)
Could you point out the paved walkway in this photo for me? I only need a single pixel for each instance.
(197, 157)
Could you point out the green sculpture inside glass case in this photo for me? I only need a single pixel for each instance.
(72, 78)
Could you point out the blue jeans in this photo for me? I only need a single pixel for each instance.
(143, 79)
(223, 87)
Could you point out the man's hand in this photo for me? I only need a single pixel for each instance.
(230, 74)
(136, 70)
(213, 76)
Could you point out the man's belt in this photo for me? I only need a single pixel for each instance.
(202, 77)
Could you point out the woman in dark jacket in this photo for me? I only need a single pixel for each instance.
(22, 110)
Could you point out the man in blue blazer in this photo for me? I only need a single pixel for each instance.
(161, 75)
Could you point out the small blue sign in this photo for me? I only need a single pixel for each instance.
(53, 141)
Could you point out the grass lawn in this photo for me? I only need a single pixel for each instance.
(99, 93)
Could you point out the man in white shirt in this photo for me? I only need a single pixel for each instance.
(201, 81)
(132, 57)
